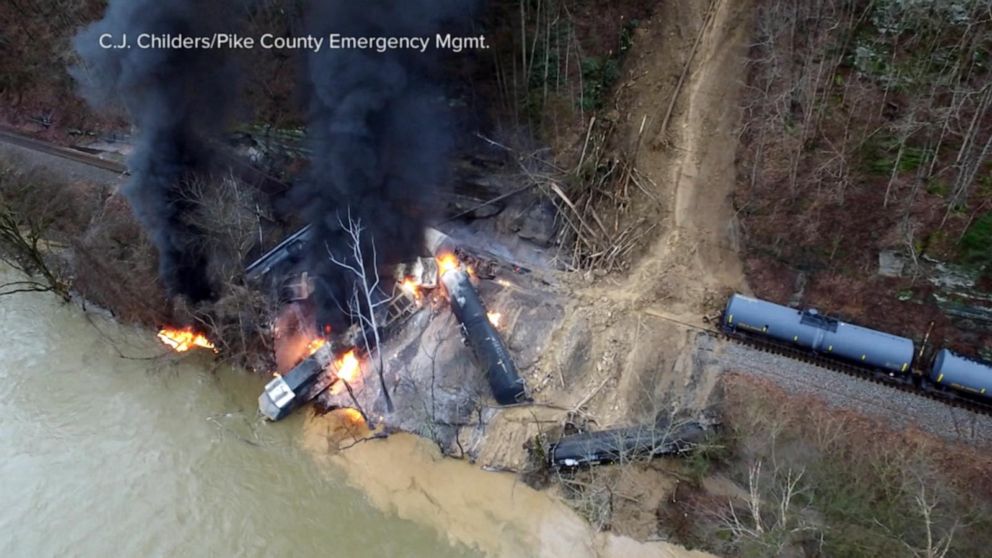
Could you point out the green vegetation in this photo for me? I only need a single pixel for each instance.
(713, 452)
(976, 244)
(598, 76)
(879, 156)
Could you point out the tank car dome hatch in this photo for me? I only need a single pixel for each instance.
(969, 375)
(819, 333)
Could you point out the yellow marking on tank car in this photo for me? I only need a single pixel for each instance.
(830, 349)
(939, 378)
(795, 338)
(730, 319)
(905, 365)
(863, 357)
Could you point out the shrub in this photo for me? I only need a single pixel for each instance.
(976, 244)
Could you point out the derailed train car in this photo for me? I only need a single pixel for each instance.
(867, 348)
(618, 444)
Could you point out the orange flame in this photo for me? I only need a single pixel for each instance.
(182, 340)
(315, 344)
(494, 318)
(352, 416)
(447, 262)
(347, 366)
(410, 287)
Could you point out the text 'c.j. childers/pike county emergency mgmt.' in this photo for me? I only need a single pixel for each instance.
(312, 43)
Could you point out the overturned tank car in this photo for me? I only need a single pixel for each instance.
(621, 444)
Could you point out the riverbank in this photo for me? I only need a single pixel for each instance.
(121, 448)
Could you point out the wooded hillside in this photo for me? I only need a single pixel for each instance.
(867, 128)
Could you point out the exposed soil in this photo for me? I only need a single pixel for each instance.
(490, 511)
(691, 162)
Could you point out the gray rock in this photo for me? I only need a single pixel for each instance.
(574, 353)
(891, 263)
(532, 331)
(538, 224)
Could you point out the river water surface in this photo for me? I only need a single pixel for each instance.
(108, 456)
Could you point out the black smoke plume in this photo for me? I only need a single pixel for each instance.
(380, 135)
(179, 101)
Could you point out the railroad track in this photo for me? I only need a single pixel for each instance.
(266, 183)
(909, 383)
(72, 154)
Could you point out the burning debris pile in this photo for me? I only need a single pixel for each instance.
(417, 283)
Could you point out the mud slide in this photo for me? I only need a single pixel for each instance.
(683, 83)
(696, 52)
(627, 349)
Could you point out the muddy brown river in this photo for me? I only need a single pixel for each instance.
(109, 446)
(108, 456)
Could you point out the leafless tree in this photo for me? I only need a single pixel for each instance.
(227, 216)
(367, 297)
(23, 249)
(937, 546)
(770, 518)
(32, 209)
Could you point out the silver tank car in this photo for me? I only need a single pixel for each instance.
(811, 330)
(962, 373)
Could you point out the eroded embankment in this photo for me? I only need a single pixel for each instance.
(492, 512)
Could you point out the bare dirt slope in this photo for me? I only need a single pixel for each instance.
(690, 158)
(692, 262)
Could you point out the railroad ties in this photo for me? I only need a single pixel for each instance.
(906, 382)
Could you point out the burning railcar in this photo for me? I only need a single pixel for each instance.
(281, 266)
(308, 379)
(285, 393)
(481, 334)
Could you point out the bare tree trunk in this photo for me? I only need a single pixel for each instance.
(366, 287)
